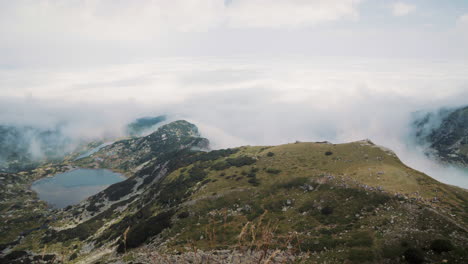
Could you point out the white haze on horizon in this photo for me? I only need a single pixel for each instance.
(245, 100)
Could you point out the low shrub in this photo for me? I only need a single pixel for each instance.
(138, 234)
(307, 206)
(183, 214)
(254, 181)
(236, 162)
(273, 171)
(275, 205)
(414, 256)
(327, 210)
(15, 255)
(361, 239)
(92, 207)
(291, 183)
(241, 161)
(220, 165)
(254, 212)
(361, 255)
(392, 251)
(441, 245)
(120, 189)
(197, 172)
(73, 256)
(319, 244)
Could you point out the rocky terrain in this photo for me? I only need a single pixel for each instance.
(445, 133)
(292, 203)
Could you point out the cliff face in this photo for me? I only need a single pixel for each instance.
(447, 137)
(315, 202)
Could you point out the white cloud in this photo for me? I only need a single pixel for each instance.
(106, 19)
(463, 20)
(245, 100)
(95, 31)
(461, 29)
(145, 19)
(91, 32)
(289, 13)
(402, 9)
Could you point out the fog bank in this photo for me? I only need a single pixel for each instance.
(244, 100)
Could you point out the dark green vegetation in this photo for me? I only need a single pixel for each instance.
(236, 162)
(140, 232)
(354, 203)
(441, 245)
(446, 134)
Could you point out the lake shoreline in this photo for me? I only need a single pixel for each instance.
(73, 186)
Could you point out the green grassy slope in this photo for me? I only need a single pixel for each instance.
(351, 201)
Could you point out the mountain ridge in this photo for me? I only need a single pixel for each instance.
(352, 202)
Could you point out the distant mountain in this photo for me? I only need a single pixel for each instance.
(445, 133)
(25, 147)
(142, 125)
(293, 203)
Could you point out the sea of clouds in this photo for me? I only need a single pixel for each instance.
(245, 100)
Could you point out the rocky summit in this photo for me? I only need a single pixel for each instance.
(294, 203)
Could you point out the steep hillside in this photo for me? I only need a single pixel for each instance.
(293, 203)
(446, 134)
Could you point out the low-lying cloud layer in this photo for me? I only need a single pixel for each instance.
(247, 100)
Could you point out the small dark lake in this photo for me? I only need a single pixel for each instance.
(72, 187)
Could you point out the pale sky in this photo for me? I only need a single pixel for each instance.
(89, 32)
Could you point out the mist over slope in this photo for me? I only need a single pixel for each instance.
(445, 134)
(24, 147)
(247, 101)
(144, 125)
